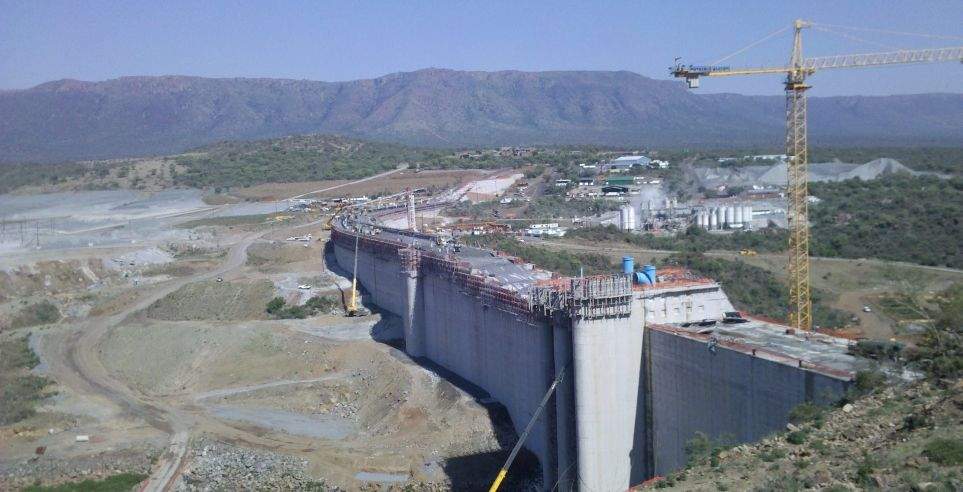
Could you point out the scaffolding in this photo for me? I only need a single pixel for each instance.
(584, 297)
(580, 297)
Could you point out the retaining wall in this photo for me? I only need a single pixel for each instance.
(722, 393)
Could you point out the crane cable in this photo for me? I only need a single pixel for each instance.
(750, 45)
(885, 31)
(855, 38)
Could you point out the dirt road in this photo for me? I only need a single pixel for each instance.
(76, 364)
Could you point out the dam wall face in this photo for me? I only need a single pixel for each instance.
(723, 393)
(633, 392)
(508, 354)
(511, 357)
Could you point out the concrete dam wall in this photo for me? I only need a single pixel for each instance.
(631, 396)
(727, 394)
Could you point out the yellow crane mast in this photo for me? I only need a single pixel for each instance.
(798, 69)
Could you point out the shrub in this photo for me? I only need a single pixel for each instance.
(867, 381)
(117, 483)
(796, 437)
(807, 412)
(275, 305)
(20, 391)
(947, 452)
(41, 313)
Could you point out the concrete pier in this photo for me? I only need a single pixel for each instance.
(607, 352)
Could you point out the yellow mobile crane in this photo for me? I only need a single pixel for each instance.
(800, 302)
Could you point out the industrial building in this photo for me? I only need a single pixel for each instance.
(627, 162)
(643, 359)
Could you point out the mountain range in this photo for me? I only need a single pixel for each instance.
(135, 116)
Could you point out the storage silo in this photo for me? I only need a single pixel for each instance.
(747, 214)
(738, 215)
(704, 219)
(720, 217)
(730, 216)
(627, 218)
(713, 218)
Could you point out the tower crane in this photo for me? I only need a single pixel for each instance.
(798, 69)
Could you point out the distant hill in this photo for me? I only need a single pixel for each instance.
(134, 116)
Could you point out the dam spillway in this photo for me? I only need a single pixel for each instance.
(633, 394)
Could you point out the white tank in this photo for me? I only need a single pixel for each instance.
(720, 217)
(714, 219)
(747, 214)
(730, 216)
(668, 202)
(738, 214)
(627, 218)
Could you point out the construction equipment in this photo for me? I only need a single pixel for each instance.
(748, 252)
(800, 300)
(503, 472)
(353, 306)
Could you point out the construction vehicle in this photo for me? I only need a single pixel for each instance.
(353, 307)
(748, 252)
(798, 69)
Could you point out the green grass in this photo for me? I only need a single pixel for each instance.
(116, 483)
(900, 308)
(20, 391)
(40, 313)
(948, 452)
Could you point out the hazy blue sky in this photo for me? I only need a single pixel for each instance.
(94, 40)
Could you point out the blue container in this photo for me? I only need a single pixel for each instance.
(628, 265)
(649, 271)
(641, 279)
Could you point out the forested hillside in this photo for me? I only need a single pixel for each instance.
(894, 218)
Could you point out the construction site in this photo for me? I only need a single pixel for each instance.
(347, 335)
(636, 357)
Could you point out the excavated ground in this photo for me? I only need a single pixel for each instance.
(172, 373)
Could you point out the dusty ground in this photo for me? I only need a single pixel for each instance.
(174, 374)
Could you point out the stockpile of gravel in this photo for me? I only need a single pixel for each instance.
(219, 466)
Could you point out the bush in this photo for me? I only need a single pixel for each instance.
(117, 483)
(275, 305)
(701, 448)
(279, 309)
(885, 218)
(939, 352)
(947, 452)
(877, 349)
(867, 381)
(796, 437)
(807, 412)
(20, 391)
(41, 313)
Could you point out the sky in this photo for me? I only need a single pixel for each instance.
(345, 40)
